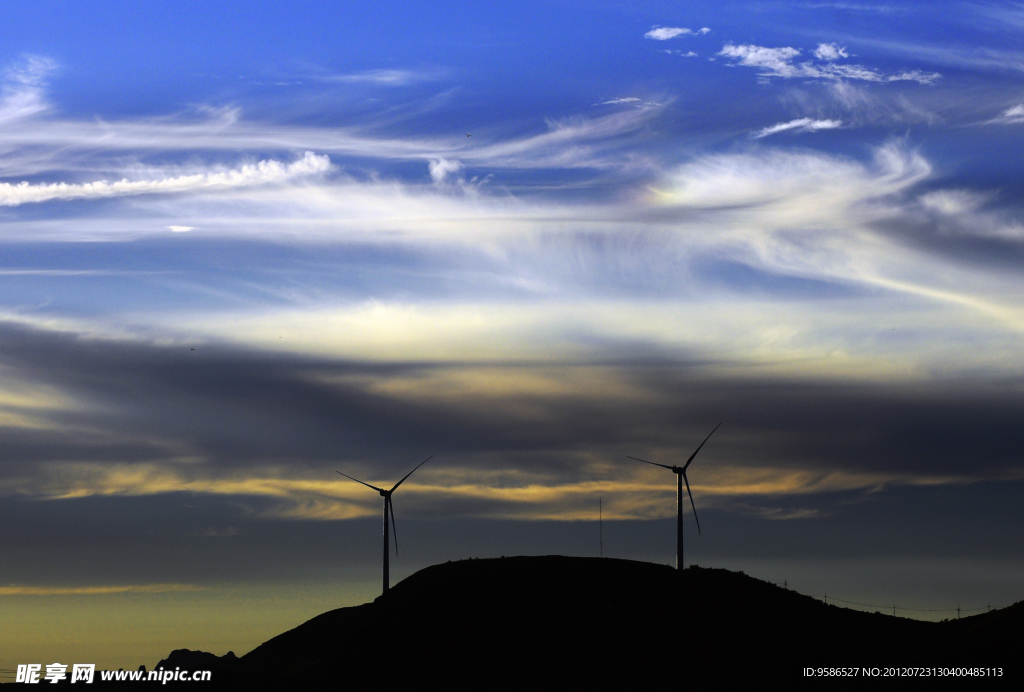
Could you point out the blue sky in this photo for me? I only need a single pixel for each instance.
(242, 246)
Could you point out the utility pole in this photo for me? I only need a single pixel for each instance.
(894, 610)
(600, 525)
(826, 599)
(958, 612)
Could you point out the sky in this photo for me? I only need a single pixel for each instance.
(243, 246)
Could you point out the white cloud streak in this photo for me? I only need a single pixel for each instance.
(21, 95)
(261, 173)
(382, 77)
(35, 145)
(664, 33)
(1014, 115)
(799, 125)
(38, 145)
(779, 62)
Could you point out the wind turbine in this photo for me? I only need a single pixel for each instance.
(680, 472)
(386, 494)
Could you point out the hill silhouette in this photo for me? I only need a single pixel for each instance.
(572, 621)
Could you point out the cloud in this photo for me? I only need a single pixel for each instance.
(1014, 115)
(664, 33)
(779, 62)
(181, 229)
(953, 202)
(955, 56)
(522, 439)
(792, 179)
(385, 304)
(810, 218)
(830, 51)
(39, 146)
(21, 95)
(799, 125)
(261, 173)
(627, 99)
(813, 216)
(51, 147)
(957, 214)
(440, 169)
(383, 77)
(860, 7)
(862, 105)
(608, 307)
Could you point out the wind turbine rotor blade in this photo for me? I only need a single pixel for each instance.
(701, 445)
(649, 462)
(412, 472)
(691, 502)
(395, 531)
(359, 481)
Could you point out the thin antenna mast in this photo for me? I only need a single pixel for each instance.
(600, 525)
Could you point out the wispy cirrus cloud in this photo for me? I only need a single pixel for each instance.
(860, 7)
(22, 93)
(795, 214)
(261, 173)
(798, 125)
(626, 99)
(956, 57)
(664, 33)
(43, 145)
(780, 63)
(384, 77)
(1014, 115)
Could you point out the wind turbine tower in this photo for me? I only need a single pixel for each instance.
(388, 509)
(680, 472)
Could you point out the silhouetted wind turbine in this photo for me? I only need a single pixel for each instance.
(680, 472)
(386, 494)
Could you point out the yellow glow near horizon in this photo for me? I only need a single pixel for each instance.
(640, 494)
(123, 629)
(94, 590)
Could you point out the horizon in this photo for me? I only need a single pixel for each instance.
(246, 247)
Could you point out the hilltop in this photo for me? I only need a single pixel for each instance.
(531, 620)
